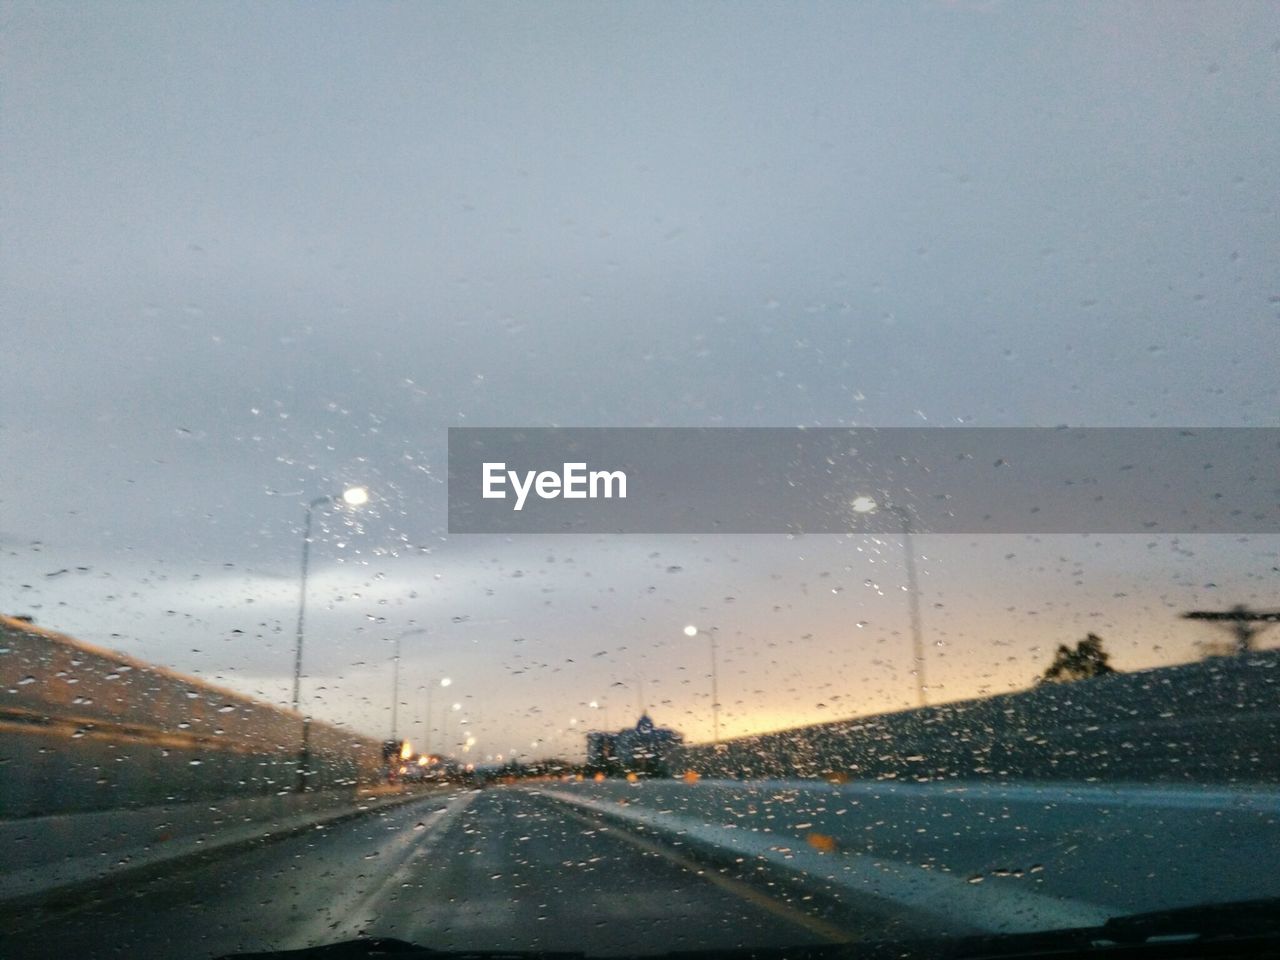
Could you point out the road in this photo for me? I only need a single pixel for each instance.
(500, 869)
(553, 867)
(1006, 857)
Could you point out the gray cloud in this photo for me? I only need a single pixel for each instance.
(253, 254)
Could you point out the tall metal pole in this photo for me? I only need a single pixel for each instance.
(395, 688)
(304, 746)
(302, 599)
(710, 633)
(715, 688)
(426, 748)
(913, 606)
(353, 496)
(444, 727)
(423, 739)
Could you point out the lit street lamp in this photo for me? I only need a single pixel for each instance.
(352, 497)
(604, 710)
(710, 634)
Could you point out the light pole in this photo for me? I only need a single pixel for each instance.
(395, 674)
(444, 734)
(431, 685)
(395, 686)
(352, 497)
(604, 710)
(866, 504)
(913, 605)
(710, 634)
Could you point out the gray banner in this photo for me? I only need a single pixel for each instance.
(830, 480)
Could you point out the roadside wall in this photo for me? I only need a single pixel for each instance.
(87, 729)
(1215, 721)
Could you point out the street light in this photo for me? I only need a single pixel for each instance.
(710, 634)
(444, 732)
(431, 685)
(604, 711)
(866, 504)
(395, 682)
(352, 497)
(395, 687)
(355, 496)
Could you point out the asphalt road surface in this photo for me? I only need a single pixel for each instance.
(622, 868)
(501, 869)
(1002, 857)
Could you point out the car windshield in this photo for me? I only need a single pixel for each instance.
(632, 478)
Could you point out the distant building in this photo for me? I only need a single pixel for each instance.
(601, 748)
(641, 749)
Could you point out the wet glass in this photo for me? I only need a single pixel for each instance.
(260, 259)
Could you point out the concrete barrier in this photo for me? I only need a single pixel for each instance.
(109, 764)
(83, 728)
(1214, 721)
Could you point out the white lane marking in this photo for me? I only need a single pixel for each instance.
(409, 847)
(946, 897)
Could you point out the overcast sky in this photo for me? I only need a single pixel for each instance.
(253, 253)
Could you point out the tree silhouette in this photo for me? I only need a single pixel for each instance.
(1088, 659)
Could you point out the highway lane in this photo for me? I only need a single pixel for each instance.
(498, 869)
(1007, 858)
(547, 866)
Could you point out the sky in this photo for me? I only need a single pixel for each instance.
(253, 254)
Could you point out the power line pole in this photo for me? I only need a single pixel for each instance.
(1244, 624)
